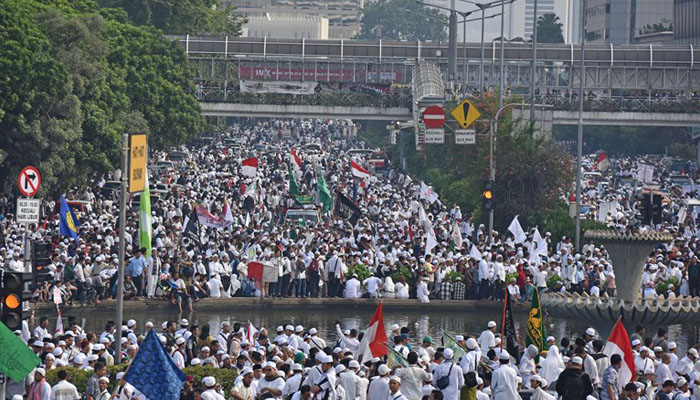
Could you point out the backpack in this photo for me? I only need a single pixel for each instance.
(444, 381)
(693, 272)
(313, 267)
(470, 379)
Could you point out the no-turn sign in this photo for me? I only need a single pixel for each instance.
(434, 117)
(29, 181)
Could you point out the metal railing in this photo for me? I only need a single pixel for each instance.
(675, 104)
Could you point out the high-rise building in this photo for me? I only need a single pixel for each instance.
(628, 21)
(560, 8)
(686, 22)
(343, 15)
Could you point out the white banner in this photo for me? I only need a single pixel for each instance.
(282, 87)
(465, 136)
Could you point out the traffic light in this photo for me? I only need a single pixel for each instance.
(487, 195)
(14, 298)
(645, 208)
(41, 258)
(656, 209)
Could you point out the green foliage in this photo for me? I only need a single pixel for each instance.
(559, 223)
(80, 377)
(224, 377)
(662, 286)
(549, 29)
(397, 20)
(453, 275)
(405, 272)
(511, 275)
(74, 81)
(683, 151)
(181, 16)
(553, 280)
(361, 270)
(626, 140)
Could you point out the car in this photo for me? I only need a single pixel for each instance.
(304, 216)
(179, 157)
(379, 160)
(360, 152)
(627, 181)
(313, 147)
(165, 165)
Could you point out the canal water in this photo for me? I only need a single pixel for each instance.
(421, 323)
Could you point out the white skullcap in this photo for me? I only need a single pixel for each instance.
(459, 337)
(312, 331)
(577, 360)
(383, 369)
(503, 355)
(492, 324)
(590, 332)
(209, 381)
(671, 345)
(41, 371)
(471, 344)
(395, 379)
(448, 353)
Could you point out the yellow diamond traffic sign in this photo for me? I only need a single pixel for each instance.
(465, 113)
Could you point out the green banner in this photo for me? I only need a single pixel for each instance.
(16, 359)
(448, 342)
(395, 359)
(535, 325)
(305, 199)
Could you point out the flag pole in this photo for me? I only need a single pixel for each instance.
(503, 319)
(122, 227)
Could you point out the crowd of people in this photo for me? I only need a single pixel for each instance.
(296, 362)
(404, 243)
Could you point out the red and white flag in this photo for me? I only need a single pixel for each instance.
(603, 163)
(250, 335)
(297, 161)
(374, 341)
(249, 167)
(59, 321)
(619, 343)
(358, 171)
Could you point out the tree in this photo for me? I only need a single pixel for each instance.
(549, 29)
(402, 20)
(181, 16)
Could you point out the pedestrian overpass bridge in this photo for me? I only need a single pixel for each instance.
(550, 116)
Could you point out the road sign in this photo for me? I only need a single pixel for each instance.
(394, 133)
(138, 151)
(29, 181)
(435, 136)
(465, 113)
(28, 211)
(434, 117)
(465, 136)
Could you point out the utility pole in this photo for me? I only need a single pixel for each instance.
(579, 143)
(533, 72)
(452, 44)
(122, 226)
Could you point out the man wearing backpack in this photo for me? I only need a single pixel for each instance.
(694, 277)
(448, 377)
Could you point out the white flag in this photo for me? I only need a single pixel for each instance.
(423, 219)
(517, 230)
(456, 235)
(430, 241)
(682, 214)
(475, 253)
(427, 193)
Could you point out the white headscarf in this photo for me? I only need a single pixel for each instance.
(552, 365)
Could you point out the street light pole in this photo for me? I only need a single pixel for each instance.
(533, 74)
(500, 86)
(579, 139)
(122, 226)
(481, 66)
(464, 52)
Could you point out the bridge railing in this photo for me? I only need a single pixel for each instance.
(676, 104)
(357, 99)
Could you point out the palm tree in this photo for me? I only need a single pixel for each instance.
(549, 29)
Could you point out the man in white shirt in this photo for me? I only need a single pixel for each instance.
(215, 286)
(504, 384)
(353, 289)
(373, 285)
(64, 390)
(487, 339)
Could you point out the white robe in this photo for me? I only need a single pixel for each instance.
(423, 292)
(504, 385)
(552, 365)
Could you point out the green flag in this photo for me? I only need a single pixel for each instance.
(145, 228)
(535, 325)
(395, 359)
(325, 195)
(16, 359)
(449, 343)
(293, 187)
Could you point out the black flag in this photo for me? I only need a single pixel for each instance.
(346, 209)
(508, 330)
(191, 230)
